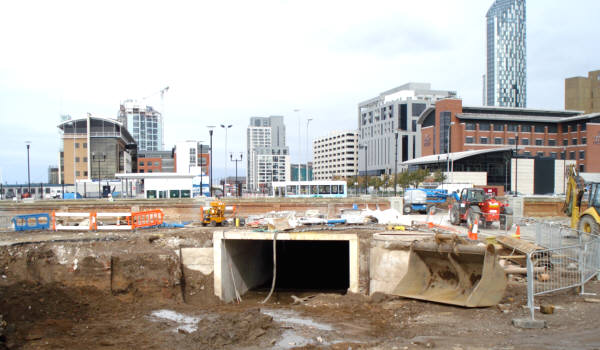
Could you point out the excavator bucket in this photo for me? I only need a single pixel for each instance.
(457, 274)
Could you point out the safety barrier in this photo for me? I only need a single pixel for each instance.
(146, 218)
(94, 220)
(31, 222)
(571, 261)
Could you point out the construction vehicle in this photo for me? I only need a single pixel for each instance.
(589, 220)
(474, 206)
(215, 215)
(451, 271)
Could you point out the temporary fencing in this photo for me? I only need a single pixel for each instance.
(118, 220)
(569, 259)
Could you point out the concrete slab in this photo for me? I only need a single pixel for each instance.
(529, 323)
(198, 259)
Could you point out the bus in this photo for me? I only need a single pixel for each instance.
(308, 189)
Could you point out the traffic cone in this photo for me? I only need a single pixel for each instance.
(473, 231)
(517, 234)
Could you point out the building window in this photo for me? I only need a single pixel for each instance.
(483, 140)
(484, 126)
(85, 159)
(524, 141)
(511, 127)
(552, 142)
(498, 141)
(498, 127)
(77, 173)
(565, 142)
(581, 168)
(539, 142)
(525, 128)
(76, 144)
(584, 140)
(572, 155)
(76, 159)
(85, 145)
(581, 155)
(85, 173)
(563, 155)
(141, 163)
(540, 128)
(469, 139)
(470, 126)
(511, 141)
(540, 154)
(574, 141)
(527, 154)
(553, 155)
(552, 129)
(141, 170)
(583, 127)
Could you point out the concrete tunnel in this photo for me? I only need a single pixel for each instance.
(326, 262)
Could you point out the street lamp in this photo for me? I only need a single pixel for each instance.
(396, 163)
(225, 182)
(366, 148)
(516, 163)
(28, 143)
(307, 148)
(237, 188)
(210, 132)
(99, 158)
(74, 125)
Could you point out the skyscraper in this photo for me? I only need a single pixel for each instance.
(268, 156)
(506, 80)
(144, 123)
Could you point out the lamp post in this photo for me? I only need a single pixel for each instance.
(28, 143)
(99, 158)
(74, 124)
(307, 148)
(516, 163)
(366, 148)
(396, 163)
(210, 132)
(237, 191)
(225, 182)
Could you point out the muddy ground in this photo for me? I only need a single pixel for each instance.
(43, 310)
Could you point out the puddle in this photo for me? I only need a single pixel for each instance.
(185, 322)
(292, 317)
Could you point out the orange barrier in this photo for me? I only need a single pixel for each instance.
(146, 218)
(473, 233)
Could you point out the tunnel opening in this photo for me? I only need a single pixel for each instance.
(317, 265)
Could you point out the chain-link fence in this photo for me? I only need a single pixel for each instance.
(569, 259)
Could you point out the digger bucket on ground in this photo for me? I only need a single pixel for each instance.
(461, 274)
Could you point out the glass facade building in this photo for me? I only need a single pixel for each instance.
(506, 77)
(144, 123)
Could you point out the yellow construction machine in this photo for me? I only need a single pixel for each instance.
(215, 215)
(589, 220)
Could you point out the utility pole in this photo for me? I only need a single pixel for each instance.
(28, 143)
(210, 132)
(396, 164)
(516, 164)
(237, 188)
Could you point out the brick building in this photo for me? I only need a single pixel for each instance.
(156, 162)
(451, 127)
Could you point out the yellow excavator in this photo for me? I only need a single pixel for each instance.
(589, 220)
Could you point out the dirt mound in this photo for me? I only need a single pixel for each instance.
(232, 329)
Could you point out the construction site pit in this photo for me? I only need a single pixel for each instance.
(205, 288)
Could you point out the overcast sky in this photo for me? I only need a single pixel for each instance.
(226, 61)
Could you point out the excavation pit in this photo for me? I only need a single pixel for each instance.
(306, 261)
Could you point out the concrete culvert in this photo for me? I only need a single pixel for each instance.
(319, 262)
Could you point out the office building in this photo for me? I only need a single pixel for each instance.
(534, 133)
(95, 148)
(380, 117)
(505, 83)
(336, 155)
(156, 161)
(583, 94)
(144, 123)
(191, 157)
(268, 157)
(53, 175)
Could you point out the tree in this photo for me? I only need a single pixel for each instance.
(438, 176)
(417, 176)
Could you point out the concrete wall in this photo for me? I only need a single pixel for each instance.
(524, 183)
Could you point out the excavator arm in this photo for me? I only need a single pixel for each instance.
(575, 190)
